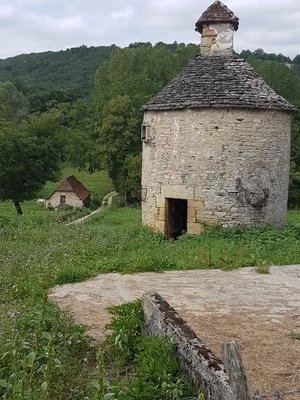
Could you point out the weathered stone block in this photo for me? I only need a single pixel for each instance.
(162, 214)
(208, 32)
(211, 220)
(177, 192)
(207, 219)
(195, 228)
(198, 215)
(160, 226)
(196, 204)
(191, 217)
(160, 202)
(207, 41)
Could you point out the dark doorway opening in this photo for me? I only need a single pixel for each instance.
(176, 223)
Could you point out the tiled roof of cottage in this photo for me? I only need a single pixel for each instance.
(220, 82)
(217, 13)
(72, 184)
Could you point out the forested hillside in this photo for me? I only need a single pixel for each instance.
(62, 76)
(91, 99)
(259, 54)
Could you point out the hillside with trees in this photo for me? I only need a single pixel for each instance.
(54, 76)
(94, 97)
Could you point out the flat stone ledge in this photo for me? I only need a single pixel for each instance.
(198, 361)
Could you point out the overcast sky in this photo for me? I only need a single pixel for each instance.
(39, 25)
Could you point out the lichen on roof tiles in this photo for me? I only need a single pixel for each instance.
(219, 82)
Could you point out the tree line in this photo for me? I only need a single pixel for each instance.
(98, 126)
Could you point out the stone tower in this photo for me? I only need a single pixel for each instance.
(216, 141)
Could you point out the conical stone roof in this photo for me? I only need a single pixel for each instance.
(217, 13)
(218, 82)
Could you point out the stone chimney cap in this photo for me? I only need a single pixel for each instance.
(217, 13)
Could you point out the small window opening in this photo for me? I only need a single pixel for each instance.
(176, 221)
(63, 200)
(145, 133)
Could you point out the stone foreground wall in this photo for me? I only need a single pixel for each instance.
(231, 165)
(198, 362)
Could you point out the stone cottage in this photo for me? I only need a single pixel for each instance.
(70, 192)
(216, 141)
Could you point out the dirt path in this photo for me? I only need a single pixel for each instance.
(258, 310)
(107, 202)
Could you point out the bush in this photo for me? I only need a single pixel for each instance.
(96, 202)
(118, 201)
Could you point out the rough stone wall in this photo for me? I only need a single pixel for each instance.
(71, 200)
(217, 39)
(231, 165)
(197, 360)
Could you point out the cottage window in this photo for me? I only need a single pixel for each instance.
(63, 200)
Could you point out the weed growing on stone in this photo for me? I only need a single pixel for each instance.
(263, 269)
(125, 327)
(294, 335)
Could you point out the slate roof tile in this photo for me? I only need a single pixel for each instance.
(219, 82)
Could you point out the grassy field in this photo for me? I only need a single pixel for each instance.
(43, 355)
(98, 183)
(294, 217)
(41, 351)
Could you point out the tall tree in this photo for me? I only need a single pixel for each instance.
(28, 158)
(13, 104)
(118, 143)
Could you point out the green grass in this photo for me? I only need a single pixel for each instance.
(294, 217)
(43, 355)
(98, 183)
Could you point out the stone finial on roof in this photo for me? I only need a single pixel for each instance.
(217, 25)
(217, 13)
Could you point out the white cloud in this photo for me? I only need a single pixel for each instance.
(40, 25)
(123, 14)
(6, 11)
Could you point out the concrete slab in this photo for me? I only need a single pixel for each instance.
(258, 310)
